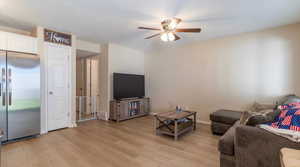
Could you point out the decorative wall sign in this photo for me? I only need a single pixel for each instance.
(57, 37)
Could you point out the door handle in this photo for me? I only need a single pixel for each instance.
(3, 73)
(3, 76)
(9, 98)
(51, 93)
(2, 80)
(10, 87)
(3, 99)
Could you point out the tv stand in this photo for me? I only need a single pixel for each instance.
(125, 109)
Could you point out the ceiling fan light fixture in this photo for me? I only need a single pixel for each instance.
(170, 24)
(164, 37)
(173, 24)
(167, 36)
(171, 36)
(169, 29)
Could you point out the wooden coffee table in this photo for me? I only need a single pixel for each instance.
(174, 123)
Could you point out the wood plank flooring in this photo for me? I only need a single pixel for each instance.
(131, 143)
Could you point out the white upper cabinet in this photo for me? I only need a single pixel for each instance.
(18, 43)
(21, 43)
(3, 40)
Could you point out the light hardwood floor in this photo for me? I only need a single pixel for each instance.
(131, 143)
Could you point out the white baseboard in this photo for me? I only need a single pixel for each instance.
(102, 115)
(73, 125)
(43, 132)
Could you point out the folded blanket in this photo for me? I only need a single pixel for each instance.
(289, 134)
(287, 123)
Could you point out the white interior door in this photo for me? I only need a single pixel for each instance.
(58, 112)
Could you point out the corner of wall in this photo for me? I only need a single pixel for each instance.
(73, 82)
(40, 51)
(104, 86)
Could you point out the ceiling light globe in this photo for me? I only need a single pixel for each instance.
(164, 37)
(171, 36)
(172, 24)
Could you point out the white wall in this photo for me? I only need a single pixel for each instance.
(124, 60)
(72, 78)
(230, 72)
(104, 80)
(44, 93)
(119, 59)
(88, 46)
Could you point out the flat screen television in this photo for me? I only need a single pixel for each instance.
(128, 86)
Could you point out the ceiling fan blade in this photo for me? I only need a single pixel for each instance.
(153, 36)
(176, 37)
(188, 30)
(149, 28)
(210, 19)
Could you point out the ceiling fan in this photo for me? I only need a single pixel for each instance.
(168, 30)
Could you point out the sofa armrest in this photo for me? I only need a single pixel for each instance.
(255, 147)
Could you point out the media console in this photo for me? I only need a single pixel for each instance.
(128, 108)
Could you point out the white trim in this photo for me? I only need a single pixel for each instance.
(45, 93)
(43, 132)
(70, 87)
(41, 53)
(73, 82)
(73, 125)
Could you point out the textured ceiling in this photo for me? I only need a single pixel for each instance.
(117, 20)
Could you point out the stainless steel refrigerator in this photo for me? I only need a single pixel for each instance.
(19, 95)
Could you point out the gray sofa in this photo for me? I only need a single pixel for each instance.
(248, 146)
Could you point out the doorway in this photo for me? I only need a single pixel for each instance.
(87, 86)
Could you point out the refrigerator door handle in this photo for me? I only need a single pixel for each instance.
(9, 98)
(2, 85)
(3, 99)
(10, 88)
(2, 80)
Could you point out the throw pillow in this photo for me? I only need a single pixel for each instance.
(257, 107)
(283, 99)
(288, 99)
(262, 117)
(256, 118)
